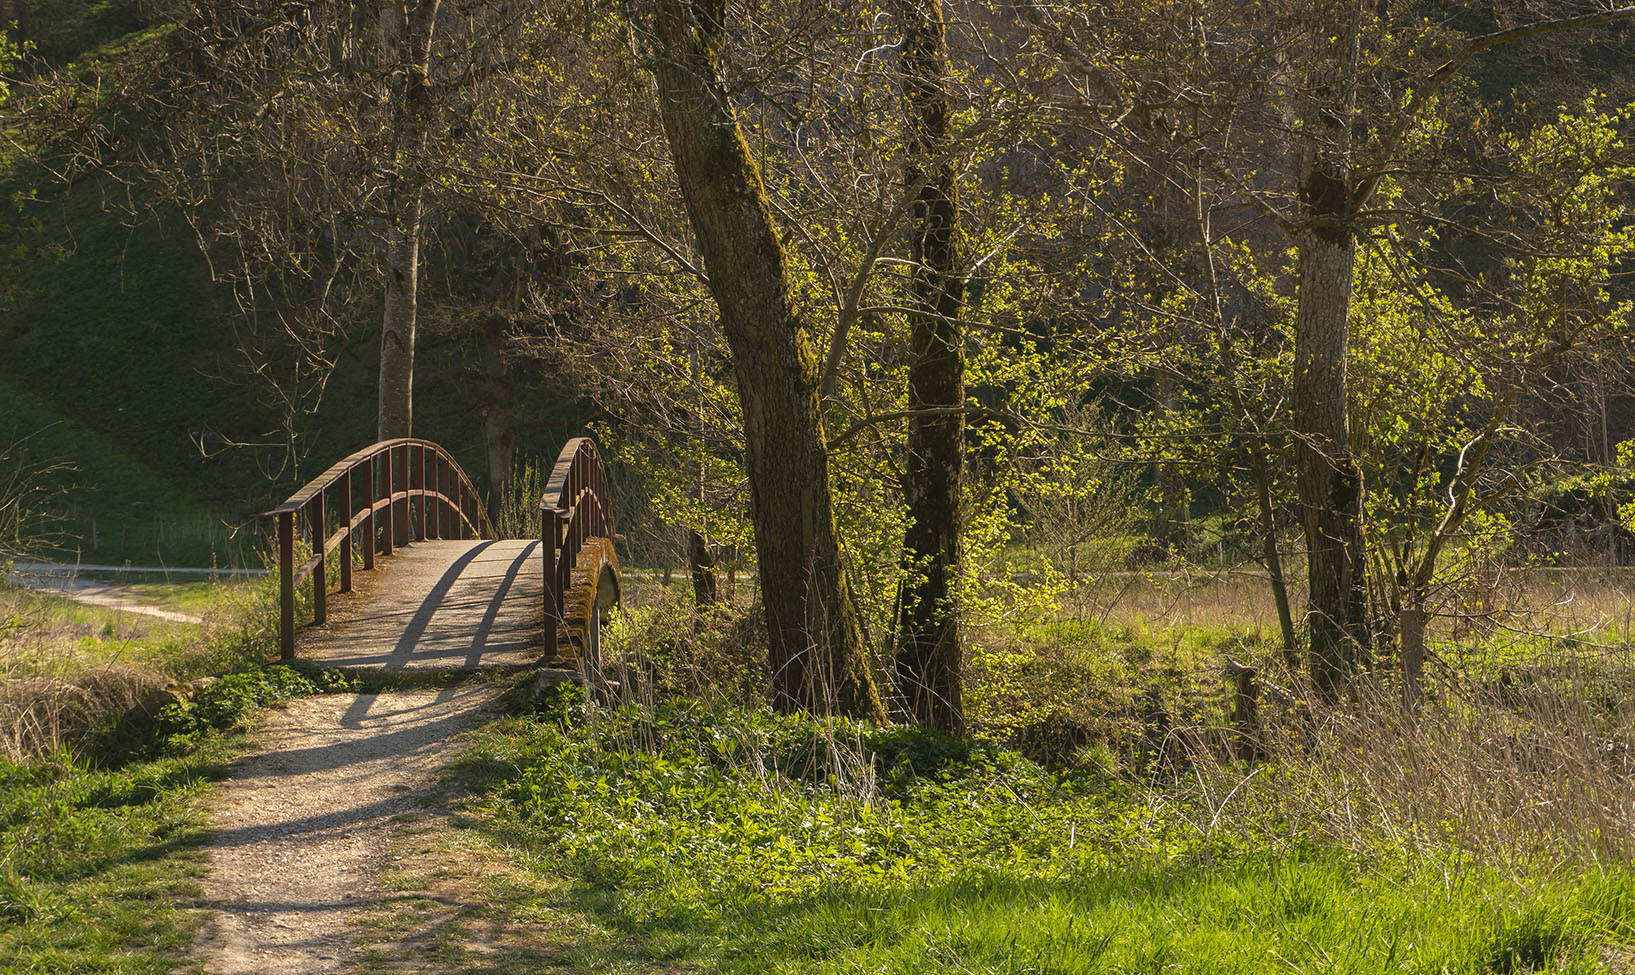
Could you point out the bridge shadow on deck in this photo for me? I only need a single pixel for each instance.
(442, 606)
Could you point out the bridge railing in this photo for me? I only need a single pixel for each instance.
(574, 509)
(388, 493)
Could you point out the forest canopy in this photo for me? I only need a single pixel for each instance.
(924, 313)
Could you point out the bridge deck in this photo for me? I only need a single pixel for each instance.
(442, 605)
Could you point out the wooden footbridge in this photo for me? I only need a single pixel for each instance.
(457, 597)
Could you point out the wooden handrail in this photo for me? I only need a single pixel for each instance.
(575, 507)
(399, 480)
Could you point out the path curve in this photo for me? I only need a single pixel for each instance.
(302, 824)
(102, 594)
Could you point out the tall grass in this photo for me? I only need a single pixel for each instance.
(518, 509)
(1534, 765)
(1522, 751)
(66, 669)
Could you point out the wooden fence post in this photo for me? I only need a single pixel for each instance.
(1412, 635)
(286, 585)
(1245, 709)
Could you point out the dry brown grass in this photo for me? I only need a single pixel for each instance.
(1536, 764)
(1237, 598)
(53, 686)
(1596, 603)
(1522, 750)
(64, 668)
(39, 712)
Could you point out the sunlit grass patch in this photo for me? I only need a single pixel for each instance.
(98, 864)
(741, 841)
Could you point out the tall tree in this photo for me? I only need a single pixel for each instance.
(406, 37)
(928, 646)
(1336, 198)
(818, 657)
(1329, 482)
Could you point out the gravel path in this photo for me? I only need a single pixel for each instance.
(303, 824)
(104, 594)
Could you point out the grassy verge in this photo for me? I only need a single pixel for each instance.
(67, 669)
(99, 862)
(101, 843)
(727, 840)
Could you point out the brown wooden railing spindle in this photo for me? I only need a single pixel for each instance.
(404, 485)
(286, 585)
(344, 488)
(320, 587)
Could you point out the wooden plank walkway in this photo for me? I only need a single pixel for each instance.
(442, 606)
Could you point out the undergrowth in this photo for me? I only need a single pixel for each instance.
(67, 669)
(728, 839)
(99, 842)
(223, 703)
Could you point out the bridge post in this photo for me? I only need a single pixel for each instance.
(345, 487)
(432, 478)
(445, 518)
(550, 545)
(320, 572)
(388, 534)
(286, 585)
(400, 474)
(370, 496)
(420, 503)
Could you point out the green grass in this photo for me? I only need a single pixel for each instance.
(99, 863)
(99, 845)
(709, 839)
(46, 633)
(197, 597)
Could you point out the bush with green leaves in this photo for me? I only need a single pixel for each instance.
(226, 701)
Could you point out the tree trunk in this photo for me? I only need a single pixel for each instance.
(1328, 480)
(1274, 558)
(397, 326)
(407, 45)
(700, 563)
(818, 659)
(928, 652)
(498, 437)
(702, 567)
(1412, 622)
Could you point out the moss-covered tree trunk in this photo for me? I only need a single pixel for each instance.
(928, 646)
(819, 661)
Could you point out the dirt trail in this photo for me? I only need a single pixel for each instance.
(105, 594)
(306, 821)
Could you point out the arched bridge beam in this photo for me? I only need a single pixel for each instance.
(387, 494)
(581, 567)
